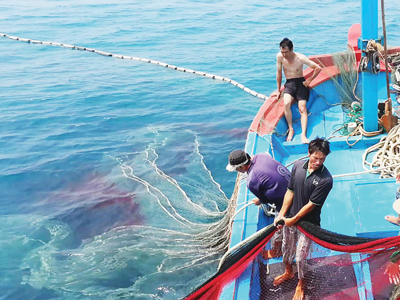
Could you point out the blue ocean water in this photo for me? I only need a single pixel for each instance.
(109, 167)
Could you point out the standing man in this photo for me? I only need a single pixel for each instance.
(296, 86)
(268, 180)
(310, 184)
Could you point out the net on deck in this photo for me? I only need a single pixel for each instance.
(337, 267)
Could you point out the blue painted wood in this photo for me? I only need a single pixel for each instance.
(279, 149)
(333, 118)
(255, 287)
(367, 278)
(314, 126)
(356, 205)
(243, 285)
(359, 276)
(374, 199)
(236, 236)
(369, 30)
(338, 212)
(321, 98)
(251, 143)
(228, 292)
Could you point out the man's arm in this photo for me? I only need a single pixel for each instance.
(317, 69)
(278, 74)
(287, 202)
(305, 210)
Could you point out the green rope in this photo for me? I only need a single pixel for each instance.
(354, 115)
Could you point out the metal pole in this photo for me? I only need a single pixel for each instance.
(369, 31)
(385, 47)
(388, 120)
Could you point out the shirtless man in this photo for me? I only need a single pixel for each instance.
(296, 87)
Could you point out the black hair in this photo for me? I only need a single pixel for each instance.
(248, 159)
(319, 145)
(286, 43)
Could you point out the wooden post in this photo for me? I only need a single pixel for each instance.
(388, 120)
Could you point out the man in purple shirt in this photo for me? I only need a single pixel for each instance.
(267, 179)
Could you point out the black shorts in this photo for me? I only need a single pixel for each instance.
(296, 89)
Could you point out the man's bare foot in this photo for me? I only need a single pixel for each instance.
(282, 278)
(299, 294)
(267, 254)
(290, 135)
(393, 219)
(304, 139)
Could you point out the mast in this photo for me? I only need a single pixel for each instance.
(369, 31)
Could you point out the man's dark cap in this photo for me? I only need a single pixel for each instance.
(237, 158)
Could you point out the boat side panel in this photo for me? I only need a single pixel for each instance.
(374, 200)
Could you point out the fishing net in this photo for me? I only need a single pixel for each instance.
(347, 82)
(337, 267)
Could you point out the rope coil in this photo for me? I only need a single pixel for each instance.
(387, 155)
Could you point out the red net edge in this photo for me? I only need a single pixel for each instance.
(213, 288)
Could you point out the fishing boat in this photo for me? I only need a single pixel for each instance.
(360, 199)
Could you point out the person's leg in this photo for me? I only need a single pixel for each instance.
(276, 243)
(287, 100)
(276, 246)
(299, 294)
(302, 250)
(393, 219)
(304, 119)
(289, 251)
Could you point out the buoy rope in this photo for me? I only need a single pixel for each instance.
(147, 60)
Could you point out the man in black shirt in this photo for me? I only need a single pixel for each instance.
(310, 184)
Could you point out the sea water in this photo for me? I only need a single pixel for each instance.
(110, 167)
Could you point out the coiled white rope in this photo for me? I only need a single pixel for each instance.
(155, 62)
(387, 155)
(368, 171)
(361, 131)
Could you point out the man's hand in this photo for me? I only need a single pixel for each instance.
(256, 201)
(306, 83)
(279, 217)
(290, 221)
(393, 272)
(276, 93)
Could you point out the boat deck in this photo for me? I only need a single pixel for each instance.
(356, 205)
(352, 200)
